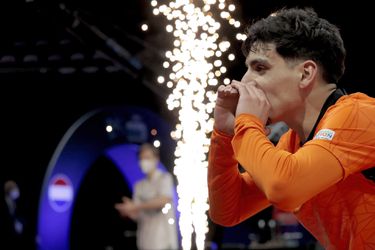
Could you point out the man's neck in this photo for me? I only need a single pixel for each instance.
(304, 120)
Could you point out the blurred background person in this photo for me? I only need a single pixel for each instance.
(11, 223)
(152, 204)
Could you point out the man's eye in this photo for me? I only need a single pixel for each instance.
(260, 68)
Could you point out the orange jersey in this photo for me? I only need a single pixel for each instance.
(321, 182)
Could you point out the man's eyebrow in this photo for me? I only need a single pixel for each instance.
(257, 61)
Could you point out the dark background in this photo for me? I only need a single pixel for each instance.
(39, 102)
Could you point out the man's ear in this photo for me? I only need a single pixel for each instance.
(308, 70)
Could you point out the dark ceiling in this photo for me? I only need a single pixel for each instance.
(56, 41)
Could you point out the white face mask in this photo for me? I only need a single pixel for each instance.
(14, 194)
(147, 165)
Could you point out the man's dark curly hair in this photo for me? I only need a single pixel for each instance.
(301, 34)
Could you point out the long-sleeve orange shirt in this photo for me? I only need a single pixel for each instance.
(320, 182)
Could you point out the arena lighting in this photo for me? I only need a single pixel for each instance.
(193, 69)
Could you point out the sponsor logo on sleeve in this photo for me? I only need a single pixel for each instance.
(325, 134)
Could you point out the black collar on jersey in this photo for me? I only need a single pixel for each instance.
(331, 100)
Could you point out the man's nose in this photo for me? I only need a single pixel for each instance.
(247, 77)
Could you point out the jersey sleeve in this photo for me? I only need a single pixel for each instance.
(347, 130)
(284, 142)
(287, 179)
(233, 196)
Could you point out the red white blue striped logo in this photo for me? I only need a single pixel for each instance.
(60, 193)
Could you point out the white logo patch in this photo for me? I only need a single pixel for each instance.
(325, 134)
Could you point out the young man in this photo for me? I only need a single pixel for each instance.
(151, 205)
(294, 61)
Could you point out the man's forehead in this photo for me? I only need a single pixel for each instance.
(266, 49)
(262, 51)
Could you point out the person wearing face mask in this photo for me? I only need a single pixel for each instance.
(152, 204)
(12, 228)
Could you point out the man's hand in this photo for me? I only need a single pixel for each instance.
(224, 114)
(252, 100)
